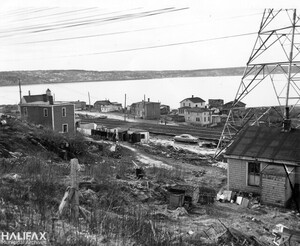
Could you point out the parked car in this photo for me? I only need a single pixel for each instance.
(187, 138)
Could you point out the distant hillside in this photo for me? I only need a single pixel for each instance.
(65, 76)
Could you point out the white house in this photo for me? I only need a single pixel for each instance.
(201, 116)
(192, 102)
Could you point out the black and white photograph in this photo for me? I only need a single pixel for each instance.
(150, 123)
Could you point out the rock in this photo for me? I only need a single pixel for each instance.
(180, 211)
(11, 177)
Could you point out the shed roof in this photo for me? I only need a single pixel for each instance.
(194, 99)
(269, 143)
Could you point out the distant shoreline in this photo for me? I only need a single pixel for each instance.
(81, 76)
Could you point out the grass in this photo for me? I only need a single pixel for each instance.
(163, 175)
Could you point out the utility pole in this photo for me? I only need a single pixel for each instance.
(20, 91)
(125, 108)
(144, 113)
(89, 101)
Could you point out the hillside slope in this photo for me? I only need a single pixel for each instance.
(65, 76)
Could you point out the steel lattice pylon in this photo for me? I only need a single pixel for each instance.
(275, 60)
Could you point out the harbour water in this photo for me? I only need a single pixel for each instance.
(168, 91)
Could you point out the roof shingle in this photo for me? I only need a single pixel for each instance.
(267, 143)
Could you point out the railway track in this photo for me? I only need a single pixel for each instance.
(200, 132)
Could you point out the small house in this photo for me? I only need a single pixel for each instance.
(265, 161)
(193, 102)
(43, 110)
(87, 128)
(79, 105)
(238, 106)
(164, 109)
(215, 103)
(107, 106)
(199, 116)
(146, 110)
(98, 105)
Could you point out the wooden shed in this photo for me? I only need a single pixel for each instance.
(265, 161)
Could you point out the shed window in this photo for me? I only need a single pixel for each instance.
(64, 112)
(254, 173)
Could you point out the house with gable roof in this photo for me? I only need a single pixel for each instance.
(265, 161)
(195, 111)
(107, 106)
(191, 102)
(199, 116)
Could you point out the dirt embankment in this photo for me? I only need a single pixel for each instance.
(120, 208)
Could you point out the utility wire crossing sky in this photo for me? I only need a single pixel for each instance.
(126, 35)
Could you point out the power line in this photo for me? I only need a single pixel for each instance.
(156, 46)
(71, 24)
(167, 45)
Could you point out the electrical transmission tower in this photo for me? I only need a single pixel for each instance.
(275, 61)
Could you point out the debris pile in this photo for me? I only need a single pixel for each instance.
(246, 200)
(234, 237)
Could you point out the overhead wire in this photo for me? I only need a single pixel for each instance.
(63, 25)
(71, 23)
(101, 34)
(164, 45)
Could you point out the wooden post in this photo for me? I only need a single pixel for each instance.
(74, 187)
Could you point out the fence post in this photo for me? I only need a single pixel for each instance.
(74, 187)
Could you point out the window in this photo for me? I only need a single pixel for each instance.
(189, 104)
(25, 111)
(65, 127)
(183, 104)
(143, 136)
(204, 119)
(64, 112)
(254, 173)
(196, 105)
(45, 112)
(197, 119)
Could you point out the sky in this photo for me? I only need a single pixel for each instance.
(129, 34)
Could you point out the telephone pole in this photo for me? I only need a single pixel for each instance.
(125, 109)
(20, 91)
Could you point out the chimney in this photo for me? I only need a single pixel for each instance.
(48, 92)
(28, 93)
(148, 99)
(50, 98)
(192, 96)
(287, 123)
